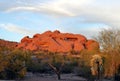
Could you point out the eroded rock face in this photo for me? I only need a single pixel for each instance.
(92, 45)
(8, 44)
(57, 42)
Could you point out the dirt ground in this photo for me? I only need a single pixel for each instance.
(48, 77)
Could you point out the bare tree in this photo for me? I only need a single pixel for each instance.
(109, 40)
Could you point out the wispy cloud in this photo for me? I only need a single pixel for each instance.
(16, 29)
(101, 11)
(47, 8)
(93, 11)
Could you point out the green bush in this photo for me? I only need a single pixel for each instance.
(67, 68)
(13, 64)
(38, 68)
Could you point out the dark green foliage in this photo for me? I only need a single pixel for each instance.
(36, 67)
(13, 64)
(67, 68)
(85, 72)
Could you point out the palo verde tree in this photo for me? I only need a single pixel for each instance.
(13, 64)
(16, 67)
(55, 62)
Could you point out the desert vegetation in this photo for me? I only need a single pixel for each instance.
(109, 40)
(13, 63)
(90, 64)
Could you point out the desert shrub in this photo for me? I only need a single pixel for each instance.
(13, 64)
(85, 72)
(38, 68)
(84, 69)
(111, 64)
(67, 68)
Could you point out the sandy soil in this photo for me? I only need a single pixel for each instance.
(48, 77)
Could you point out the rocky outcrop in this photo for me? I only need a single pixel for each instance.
(8, 44)
(57, 42)
(92, 45)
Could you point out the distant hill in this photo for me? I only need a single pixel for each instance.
(8, 44)
(57, 42)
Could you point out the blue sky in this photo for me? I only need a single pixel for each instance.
(19, 18)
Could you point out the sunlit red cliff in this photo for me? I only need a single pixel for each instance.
(57, 42)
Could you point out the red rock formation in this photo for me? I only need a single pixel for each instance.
(92, 45)
(57, 42)
(8, 44)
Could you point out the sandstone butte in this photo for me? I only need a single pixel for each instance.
(57, 42)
